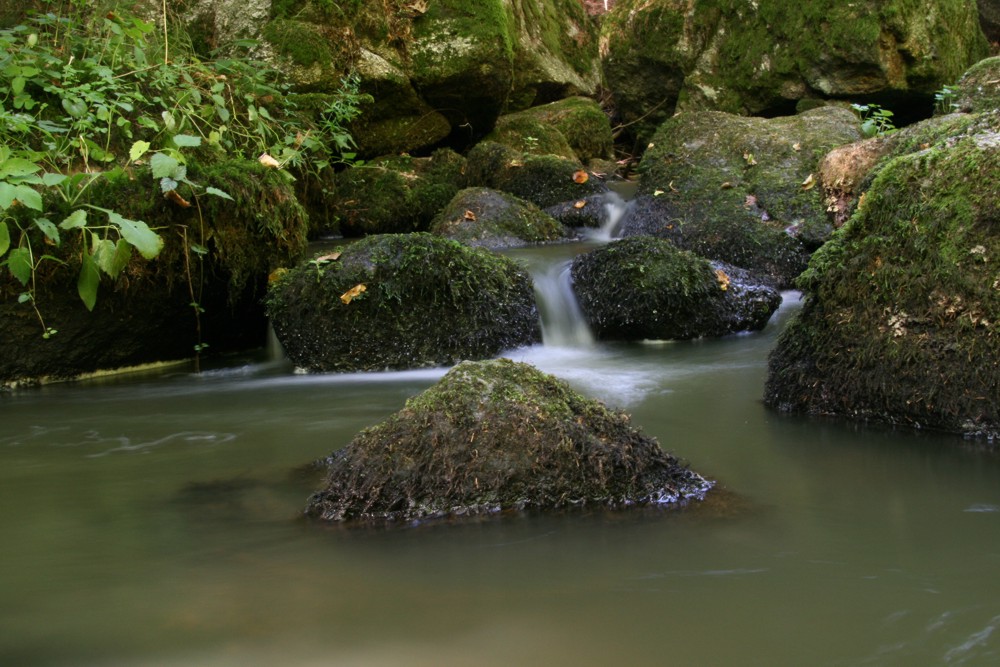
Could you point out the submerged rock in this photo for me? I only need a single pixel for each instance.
(485, 218)
(402, 301)
(901, 322)
(646, 288)
(494, 436)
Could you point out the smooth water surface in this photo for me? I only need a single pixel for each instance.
(154, 520)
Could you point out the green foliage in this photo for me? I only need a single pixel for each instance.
(945, 100)
(875, 120)
(87, 94)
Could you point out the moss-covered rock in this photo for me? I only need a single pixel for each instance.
(979, 88)
(574, 128)
(762, 57)
(921, 347)
(498, 436)
(544, 180)
(591, 211)
(646, 288)
(485, 218)
(217, 253)
(394, 194)
(402, 301)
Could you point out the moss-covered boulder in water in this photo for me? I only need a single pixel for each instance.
(901, 322)
(761, 58)
(394, 194)
(485, 218)
(544, 180)
(496, 436)
(402, 301)
(218, 253)
(645, 288)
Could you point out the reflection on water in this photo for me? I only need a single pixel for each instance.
(154, 520)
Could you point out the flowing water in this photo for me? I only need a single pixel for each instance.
(153, 520)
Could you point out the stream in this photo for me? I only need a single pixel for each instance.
(153, 519)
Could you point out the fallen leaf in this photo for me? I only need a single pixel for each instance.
(796, 146)
(331, 257)
(469, 215)
(657, 193)
(580, 204)
(276, 275)
(353, 293)
(269, 161)
(751, 200)
(723, 279)
(516, 163)
(809, 182)
(177, 199)
(650, 145)
(727, 185)
(580, 176)
(671, 186)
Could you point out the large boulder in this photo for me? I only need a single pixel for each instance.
(575, 128)
(979, 88)
(763, 57)
(485, 218)
(201, 292)
(498, 436)
(645, 288)
(730, 187)
(901, 322)
(402, 301)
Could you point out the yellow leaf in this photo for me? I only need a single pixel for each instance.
(727, 185)
(580, 176)
(796, 147)
(723, 279)
(469, 215)
(353, 293)
(580, 204)
(268, 161)
(809, 182)
(333, 256)
(657, 193)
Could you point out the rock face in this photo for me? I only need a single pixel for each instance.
(574, 128)
(438, 69)
(763, 57)
(900, 323)
(979, 88)
(645, 288)
(402, 301)
(484, 218)
(495, 436)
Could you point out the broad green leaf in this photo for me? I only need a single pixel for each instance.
(50, 179)
(186, 140)
(6, 195)
(75, 220)
(167, 184)
(49, 229)
(87, 283)
(163, 165)
(138, 149)
(4, 238)
(123, 253)
(136, 232)
(74, 106)
(17, 85)
(17, 166)
(218, 193)
(103, 254)
(28, 196)
(19, 263)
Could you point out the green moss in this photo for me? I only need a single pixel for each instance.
(498, 436)
(922, 347)
(496, 220)
(427, 301)
(302, 42)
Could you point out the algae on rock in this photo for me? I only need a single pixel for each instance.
(402, 301)
(498, 436)
(901, 322)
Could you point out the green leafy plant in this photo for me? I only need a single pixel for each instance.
(945, 100)
(875, 120)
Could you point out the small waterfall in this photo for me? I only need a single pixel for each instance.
(563, 324)
(614, 208)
